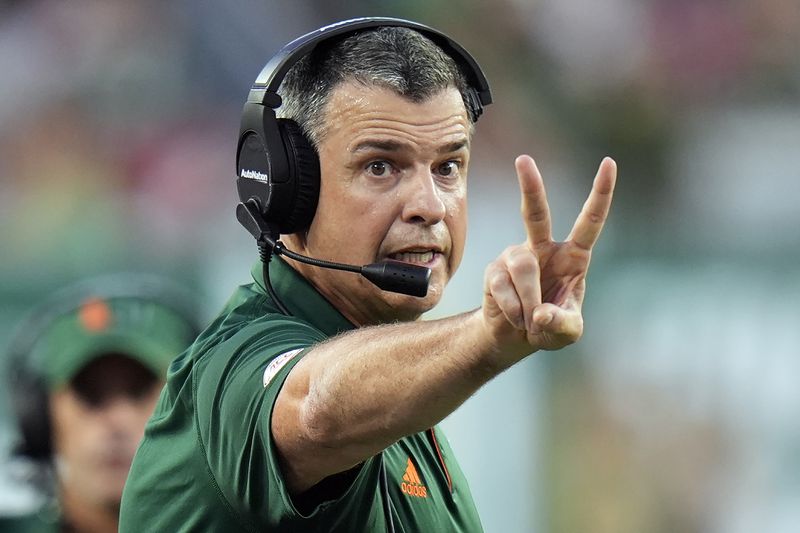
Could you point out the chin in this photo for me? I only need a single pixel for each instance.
(412, 307)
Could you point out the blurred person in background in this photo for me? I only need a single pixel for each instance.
(312, 402)
(85, 372)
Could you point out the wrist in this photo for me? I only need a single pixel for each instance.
(498, 352)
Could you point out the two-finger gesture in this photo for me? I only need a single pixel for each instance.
(533, 293)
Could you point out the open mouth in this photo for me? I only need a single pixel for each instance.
(417, 257)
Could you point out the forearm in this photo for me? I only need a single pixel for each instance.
(356, 394)
(378, 384)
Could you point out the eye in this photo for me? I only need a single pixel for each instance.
(448, 168)
(91, 398)
(379, 168)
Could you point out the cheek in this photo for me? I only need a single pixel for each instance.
(71, 428)
(350, 221)
(457, 225)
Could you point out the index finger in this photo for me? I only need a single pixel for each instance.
(595, 211)
(535, 211)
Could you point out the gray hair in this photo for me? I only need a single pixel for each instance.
(397, 58)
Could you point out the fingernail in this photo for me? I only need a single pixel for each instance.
(545, 319)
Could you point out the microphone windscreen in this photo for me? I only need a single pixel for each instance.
(397, 276)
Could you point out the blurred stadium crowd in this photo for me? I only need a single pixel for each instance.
(676, 412)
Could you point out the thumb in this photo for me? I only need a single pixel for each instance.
(554, 320)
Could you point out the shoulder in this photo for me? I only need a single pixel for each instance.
(241, 367)
(255, 342)
(28, 523)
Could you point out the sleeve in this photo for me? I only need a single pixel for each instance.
(235, 394)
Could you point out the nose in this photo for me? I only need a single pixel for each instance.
(423, 203)
(124, 415)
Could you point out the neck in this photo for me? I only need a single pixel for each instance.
(88, 517)
(357, 299)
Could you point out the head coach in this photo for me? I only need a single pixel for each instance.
(311, 402)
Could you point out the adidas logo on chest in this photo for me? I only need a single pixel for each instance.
(412, 484)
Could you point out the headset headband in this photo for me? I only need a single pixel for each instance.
(265, 88)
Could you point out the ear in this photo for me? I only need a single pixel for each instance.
(297, 242)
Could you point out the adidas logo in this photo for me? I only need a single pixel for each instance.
(411, 484)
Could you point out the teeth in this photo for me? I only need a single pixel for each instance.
(414, 257)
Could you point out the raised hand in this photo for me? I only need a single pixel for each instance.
(533, 292)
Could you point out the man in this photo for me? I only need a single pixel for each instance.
(86, 373)
(311, 403)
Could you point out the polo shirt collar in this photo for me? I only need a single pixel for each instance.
(301, 298)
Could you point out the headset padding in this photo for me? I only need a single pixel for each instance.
(305, 163)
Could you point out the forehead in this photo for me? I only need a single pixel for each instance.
(356, 112)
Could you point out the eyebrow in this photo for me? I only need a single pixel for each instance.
(384, 146)
(396, 146)
(454, 147)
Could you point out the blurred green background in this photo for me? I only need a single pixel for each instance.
(676, 412)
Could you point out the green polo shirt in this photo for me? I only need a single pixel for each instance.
(208, 462)
(37, 522)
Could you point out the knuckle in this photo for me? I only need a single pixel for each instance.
(497, 281)
(512, 310)
(536, 215)
(493, 269)
(596, 218)
(523, 263)
(580, 256)
(508, 252)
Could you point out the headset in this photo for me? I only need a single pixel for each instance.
(278, 167)
(28, 391)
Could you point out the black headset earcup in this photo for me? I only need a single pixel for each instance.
(304, 167)
(29, 403)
